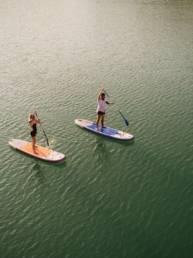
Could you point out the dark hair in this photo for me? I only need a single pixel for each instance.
(102, 94)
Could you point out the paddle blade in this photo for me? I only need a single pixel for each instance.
(125, 120)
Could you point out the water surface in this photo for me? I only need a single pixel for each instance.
(108, 199)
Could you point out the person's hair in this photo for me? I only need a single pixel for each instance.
(102, 94)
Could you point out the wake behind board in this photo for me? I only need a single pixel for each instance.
(42, 153)
(106, 131)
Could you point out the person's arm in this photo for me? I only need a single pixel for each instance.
(37, 120)
(100, 92)
(109, 103)
(30, 122)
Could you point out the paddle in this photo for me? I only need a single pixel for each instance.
(42, 129)
(125, 120)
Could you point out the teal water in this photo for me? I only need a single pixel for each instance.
(108, 199)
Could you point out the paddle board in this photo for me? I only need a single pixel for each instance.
(42, 153)
(106, 131)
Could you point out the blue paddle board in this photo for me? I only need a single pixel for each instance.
(105, 131)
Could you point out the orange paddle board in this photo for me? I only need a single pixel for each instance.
(40, 152)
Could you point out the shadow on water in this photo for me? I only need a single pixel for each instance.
(101, 149)
(41, 167)
(104, 145)
(39, 173)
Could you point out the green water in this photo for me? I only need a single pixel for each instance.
(108, 199)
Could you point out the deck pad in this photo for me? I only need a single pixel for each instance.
(39, 150)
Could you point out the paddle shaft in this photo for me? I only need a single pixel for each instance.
(125, 120)
(43, 130)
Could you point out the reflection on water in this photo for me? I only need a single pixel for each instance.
(101, 150)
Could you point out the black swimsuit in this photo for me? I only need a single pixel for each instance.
(34, 130)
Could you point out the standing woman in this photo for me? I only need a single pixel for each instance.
(101, 104)
(33, 121)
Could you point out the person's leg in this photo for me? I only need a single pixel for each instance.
(34, 143)
(102, 120)
(97, 121)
